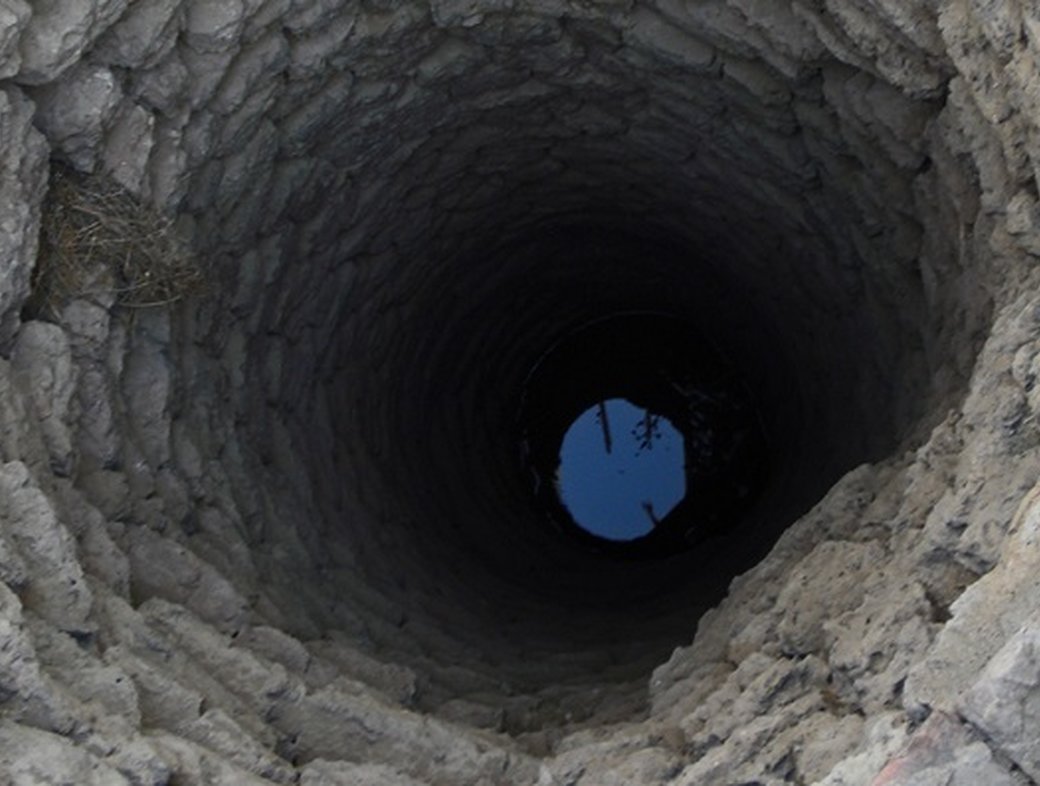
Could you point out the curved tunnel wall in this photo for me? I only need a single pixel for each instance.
(506, 189)
(400, 208)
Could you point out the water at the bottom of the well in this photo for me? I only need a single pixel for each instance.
(621, 469)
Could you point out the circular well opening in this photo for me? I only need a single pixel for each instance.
(641, 440)
(621, 470)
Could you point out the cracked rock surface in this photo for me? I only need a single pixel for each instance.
(275, 529)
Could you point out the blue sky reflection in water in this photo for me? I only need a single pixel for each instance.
(621, 468)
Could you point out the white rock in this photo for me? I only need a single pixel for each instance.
(58, 590)
(23, 179)
(252, 69)
(1005, 702)
(985, 617)
(14, 16)
(142, 36)
(146, 383)
(325, 723)
(192, 763)
(84, 675)
(31, 756)
(128, 146)
(43, 360)
(214, 25)
(942, 752)
(322, 772)
(160, 567)
(74, 113)
(58, 33)
(164, 702)
(827, 583)
(885, 736)
(218, 732)
(30, 695)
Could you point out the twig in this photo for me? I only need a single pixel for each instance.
(607, 441)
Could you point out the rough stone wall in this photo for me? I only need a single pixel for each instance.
(271, 533)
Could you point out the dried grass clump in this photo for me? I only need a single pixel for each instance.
(100, 242)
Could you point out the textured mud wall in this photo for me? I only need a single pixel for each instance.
(277, 530)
